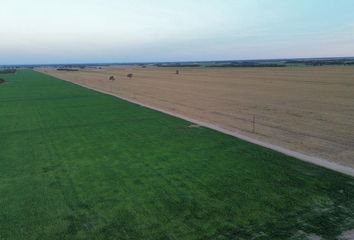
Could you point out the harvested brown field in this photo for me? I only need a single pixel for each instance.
(305, 109)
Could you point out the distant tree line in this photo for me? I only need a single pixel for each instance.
(321, 62)
(7, 71)
(67, 69)
(233, 65)
(224, 65)
(178, 65)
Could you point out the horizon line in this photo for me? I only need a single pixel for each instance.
(181, 61)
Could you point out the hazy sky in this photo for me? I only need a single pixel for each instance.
(48, 31)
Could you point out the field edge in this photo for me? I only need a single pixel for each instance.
(325, 163)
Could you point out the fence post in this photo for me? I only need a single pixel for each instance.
(254, 123)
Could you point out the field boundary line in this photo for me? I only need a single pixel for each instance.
(298, 155)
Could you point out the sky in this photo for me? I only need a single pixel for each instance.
(107, 31)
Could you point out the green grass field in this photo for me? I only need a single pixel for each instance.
(78, 164)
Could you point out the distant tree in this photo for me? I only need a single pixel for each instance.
(111, 78)
(130, 75)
